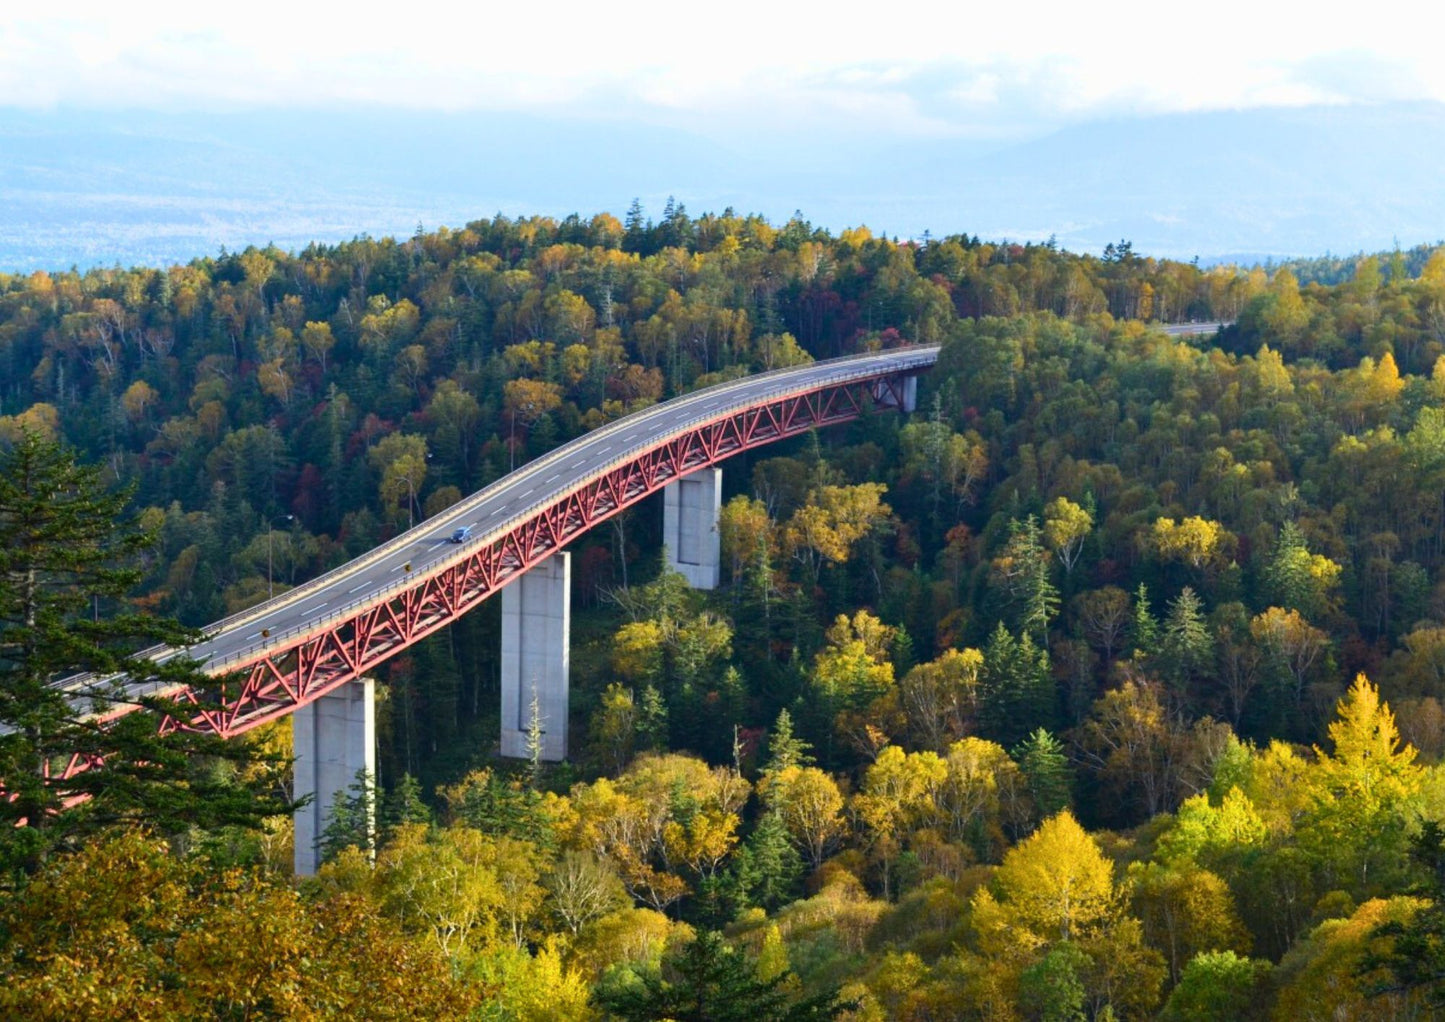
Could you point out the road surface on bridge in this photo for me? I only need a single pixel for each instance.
(426, 549)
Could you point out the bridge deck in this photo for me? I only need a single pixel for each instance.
(310, 639)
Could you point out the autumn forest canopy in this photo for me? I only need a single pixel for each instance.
(1110, 683)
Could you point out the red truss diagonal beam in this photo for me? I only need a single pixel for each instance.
(314, 662)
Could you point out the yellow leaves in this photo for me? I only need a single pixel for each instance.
(702, 842)
(138, 400)
(537, 987)
(1367, 759)
(665, 812)
(1198, 542)
(1055, 885)
(441, 883)
(899, 796)
(318, 340)
(745, 535)
(124, 930)
(41, 418)
(401, 458)
(940, 698)
(852, 670)
(528, 400)
(1325, 976)
(1204, 832)
(1185, 910)
(1066, 525)
(810, 805)
(1370, 389)
(779, 351)
(629, 935)
(385, 326)
(637, 650)
(833, 519)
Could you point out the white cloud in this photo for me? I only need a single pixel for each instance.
(911, 67)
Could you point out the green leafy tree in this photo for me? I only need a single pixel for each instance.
(68, 550)
(1217, 985)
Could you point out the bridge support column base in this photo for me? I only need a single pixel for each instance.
(536, 621)
(690, 508)
(333, 738)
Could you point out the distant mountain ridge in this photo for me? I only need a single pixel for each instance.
(88, 188)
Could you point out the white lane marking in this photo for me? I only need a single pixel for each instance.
(397, 568)
(318, 606)
(251, 636)
(530, 492)
(495, 513)
(553, 478)
(362, 586)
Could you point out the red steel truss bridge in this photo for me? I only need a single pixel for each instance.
(300, 645)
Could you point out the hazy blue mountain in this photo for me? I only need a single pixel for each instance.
(87, 188)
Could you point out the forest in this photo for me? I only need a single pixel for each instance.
(1109, 684)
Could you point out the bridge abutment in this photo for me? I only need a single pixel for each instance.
(690, 508)
(536, 621)
(333, 738)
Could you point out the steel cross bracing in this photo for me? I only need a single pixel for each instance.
(316, 662)
(303, 661)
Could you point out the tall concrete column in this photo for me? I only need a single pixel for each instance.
(690, 509)
(910, 395)
(334, 737)
(536, 620)
(905, 400)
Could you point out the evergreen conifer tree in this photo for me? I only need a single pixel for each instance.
(1015, 686)
(1045, 766)
(1146, 629)
(352, 823)
(785, 749)
(402, 806)
(68, 549)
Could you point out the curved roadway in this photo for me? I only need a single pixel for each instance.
(497, 508)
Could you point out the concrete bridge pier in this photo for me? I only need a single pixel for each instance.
(910, 395)
(906, 400)
(690, 508)
(536, 620)
(333, 738)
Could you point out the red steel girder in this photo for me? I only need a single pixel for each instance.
(313, 663)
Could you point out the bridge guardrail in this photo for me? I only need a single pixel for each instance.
(438, 564)
(922, 356)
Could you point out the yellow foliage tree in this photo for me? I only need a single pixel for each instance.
(1196, 541)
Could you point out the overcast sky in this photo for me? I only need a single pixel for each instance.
(908, 68)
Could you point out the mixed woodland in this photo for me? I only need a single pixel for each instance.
(1108, 684)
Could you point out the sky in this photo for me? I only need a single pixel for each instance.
(156, 131)
(905, 69)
